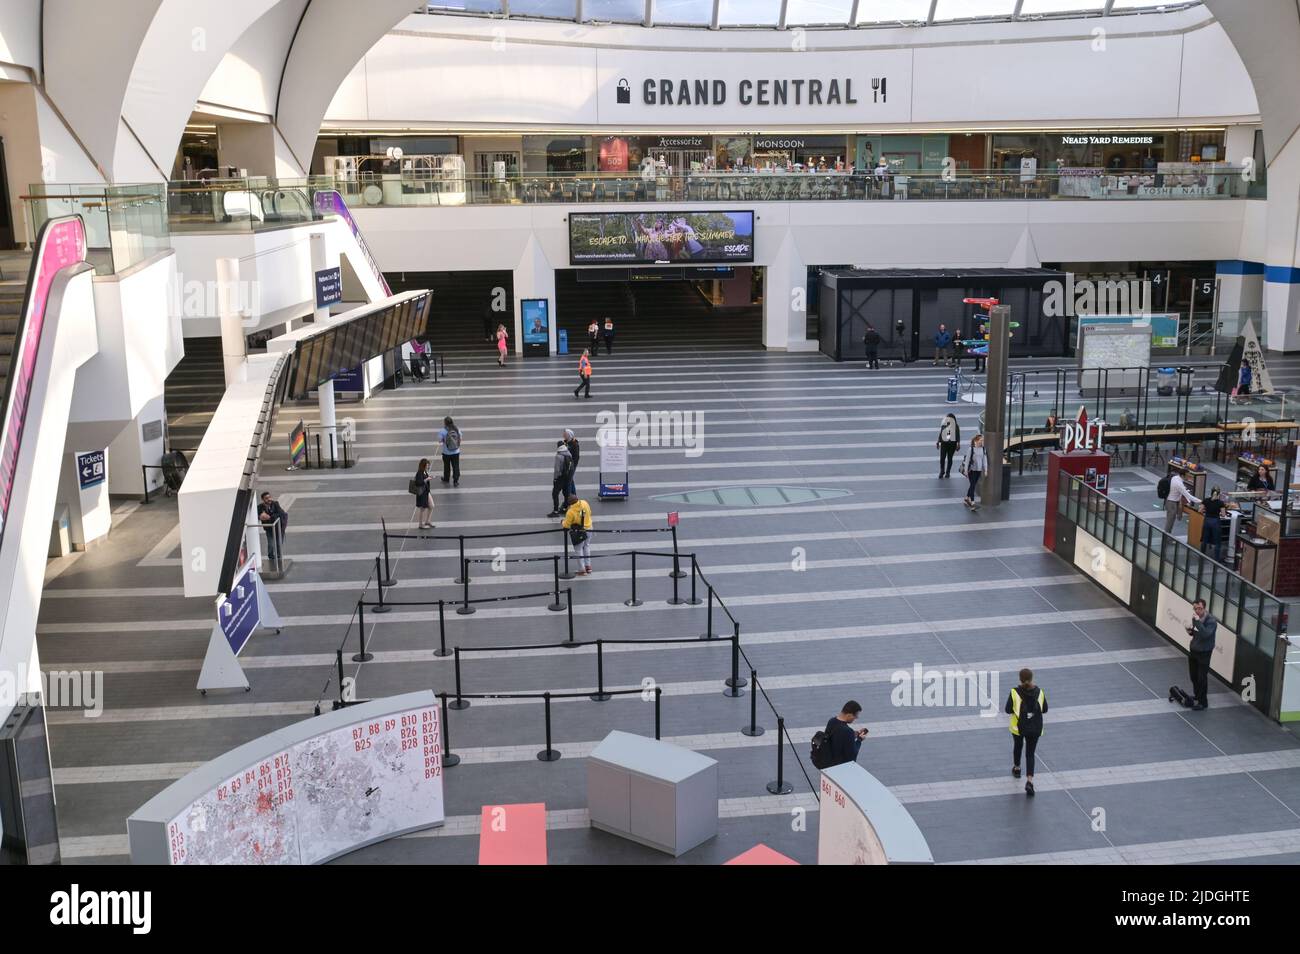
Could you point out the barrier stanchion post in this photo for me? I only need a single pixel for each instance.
(320, 461)
(442, 649)
(334, 459)
(780, 786)
(382, 607)
(459, 703)
(734, 683)
(658, 693)
(567, 574)
(464, 569)
(571, 643)
(144, 477)
(600, 695)
(695, 572)
(708, 632)
(633, 601)
(387, 579)
(675, 599)
(464, 609)
(362, 656)
(556, 606)
(753, 729)
(448, 759)
(678, 572)
(547, 754)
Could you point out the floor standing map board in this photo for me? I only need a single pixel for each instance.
(306, 793)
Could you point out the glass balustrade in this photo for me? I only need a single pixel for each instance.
(125, 224)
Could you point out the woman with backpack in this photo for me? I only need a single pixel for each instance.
(972, 468)
(1026, 704)
(948, 442)
(423, 499)
(449, 443)
(577, 521)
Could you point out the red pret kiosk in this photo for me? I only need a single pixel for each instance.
(1080, 456)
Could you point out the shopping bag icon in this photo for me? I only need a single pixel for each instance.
(624, 91)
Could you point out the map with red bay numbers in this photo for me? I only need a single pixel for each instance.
(321, 797)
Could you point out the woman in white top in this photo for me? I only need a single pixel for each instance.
(973, 467)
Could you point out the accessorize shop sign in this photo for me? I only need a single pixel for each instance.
(762, 87)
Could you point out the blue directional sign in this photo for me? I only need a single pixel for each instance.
(91, 469)
(329, 287)
(237, 612)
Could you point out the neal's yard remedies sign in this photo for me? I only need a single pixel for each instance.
(769, 87)
(660, 238)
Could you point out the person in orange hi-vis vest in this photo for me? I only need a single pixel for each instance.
(584, 374)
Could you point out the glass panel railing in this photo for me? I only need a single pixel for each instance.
(125, 224)
(1259, 619)
(253, 203)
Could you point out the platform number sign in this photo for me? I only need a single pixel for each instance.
(91, 469)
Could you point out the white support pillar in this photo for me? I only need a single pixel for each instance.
(1282, 257)
(785, 300)
(234, 347)
(535, 278)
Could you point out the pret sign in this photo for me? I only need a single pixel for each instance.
(1082, 434)
(91, 469)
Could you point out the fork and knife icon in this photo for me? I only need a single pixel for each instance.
(879, 89)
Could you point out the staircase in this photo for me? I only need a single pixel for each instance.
(458, 305)
(192, 393)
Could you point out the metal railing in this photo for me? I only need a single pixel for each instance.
(1257, 618)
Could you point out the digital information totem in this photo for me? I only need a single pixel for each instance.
(304, 794)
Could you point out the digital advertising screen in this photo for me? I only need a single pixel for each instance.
(660, 238)
(537, 321)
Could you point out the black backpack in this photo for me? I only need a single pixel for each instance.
(1162, 488)
(1031, 713)
(820, 754)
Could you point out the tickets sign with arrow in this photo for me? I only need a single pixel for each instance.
(91, 469)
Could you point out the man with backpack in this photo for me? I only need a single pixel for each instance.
(1173, 492)
(838, 743)
(449, 444)
(942, 343)
(561, 474)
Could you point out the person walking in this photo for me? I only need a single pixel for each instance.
(838, 742)
(274, 521)
(972, 468)
(608, 333)
(1178, 492)
(584, 374)
(423, 498)
(449, 441)
(577, 521)
(871, 342)
(1026, 704)
(502, 339)
(1203, 630)
(575, 452)
(948, 442)
(942, 346)
(593, 336)
(561, 473)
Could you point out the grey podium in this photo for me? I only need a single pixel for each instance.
(654, 793)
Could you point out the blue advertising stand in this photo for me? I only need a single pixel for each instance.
(240, 613)
(613, 465)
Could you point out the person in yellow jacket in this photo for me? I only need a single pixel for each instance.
(577, 520)
(1026, 704)
(584, 373)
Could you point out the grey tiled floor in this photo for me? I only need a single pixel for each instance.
(898, 572)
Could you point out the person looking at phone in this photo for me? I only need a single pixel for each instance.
(1203, 630)
(845, 742)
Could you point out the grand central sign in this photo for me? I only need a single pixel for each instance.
(809, 91)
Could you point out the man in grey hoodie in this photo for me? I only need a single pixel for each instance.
(1203, 630)
(561, 473)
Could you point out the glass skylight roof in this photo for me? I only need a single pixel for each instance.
(792, 13)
